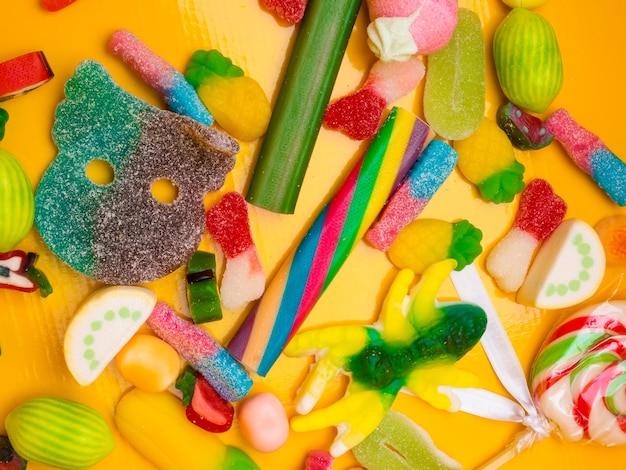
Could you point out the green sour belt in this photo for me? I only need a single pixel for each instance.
(301, 103)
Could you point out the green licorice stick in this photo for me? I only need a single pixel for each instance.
(299, 110)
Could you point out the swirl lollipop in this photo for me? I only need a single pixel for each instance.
(579, 377)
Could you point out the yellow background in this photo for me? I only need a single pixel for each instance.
(31, 329)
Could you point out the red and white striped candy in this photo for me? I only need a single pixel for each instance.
(23, 74)
(579, 377)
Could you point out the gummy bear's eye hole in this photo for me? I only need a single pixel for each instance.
(100, 172)
(164, 190)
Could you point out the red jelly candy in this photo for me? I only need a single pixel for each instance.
(357, 115)
(55, 5)
(540, 209)
(208, 409)
(22, 74)
(318, 460)
(228, 224)
(290, 11)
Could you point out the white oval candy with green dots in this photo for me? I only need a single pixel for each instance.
(567, 269)
(102, 325)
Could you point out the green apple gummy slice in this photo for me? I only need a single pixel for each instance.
(401, 444)
(102, 325)
(455, 89)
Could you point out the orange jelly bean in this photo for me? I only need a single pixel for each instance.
(148, 362)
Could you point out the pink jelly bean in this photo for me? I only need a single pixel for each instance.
(202, 352)
(263, 422)
(539, 213)
(244, 278)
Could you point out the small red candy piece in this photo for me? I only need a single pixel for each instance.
(228, 224)
(23, 74)
(55, 5)
(290, 11)
(318, 460)
(358, 114)
(208, 409)
(540, 210)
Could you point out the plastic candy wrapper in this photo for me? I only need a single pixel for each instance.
(414, 345)
(487, 160)
(115, 232)
(577, 378)
(399, 34)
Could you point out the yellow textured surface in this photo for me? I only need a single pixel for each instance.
(31, 328)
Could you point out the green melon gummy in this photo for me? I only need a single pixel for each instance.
(59, 433)
(528, 60)
(454, 92)
(17, 202)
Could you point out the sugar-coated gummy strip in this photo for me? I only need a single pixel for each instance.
(23, 74)
(202, 351)
(590, 154)
(425, 178)
(180, 96)
(310, 268)
(299, 109)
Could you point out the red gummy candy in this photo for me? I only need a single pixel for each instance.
(23, 74)
(55, 5)
(358, 114)
(540, 209)
(318, 460)
(208, 409)
(290, 11)
(228, 224)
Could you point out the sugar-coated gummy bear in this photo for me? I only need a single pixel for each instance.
(590, 154)
(103, 323)
(23, 74)
(539, 213)
(567, 269)
(399, 34)
(179, 95)
(487, 159)
(427, 241)
(423, 180)
(202, 351)
(244, 277)
(17, 202)
(401, 444)
(454, 92)
(414, 344)
(118, 233)
(578, 377)
(155, 425)
(528, 60)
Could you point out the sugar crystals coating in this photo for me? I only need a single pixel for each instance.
(118, 232)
